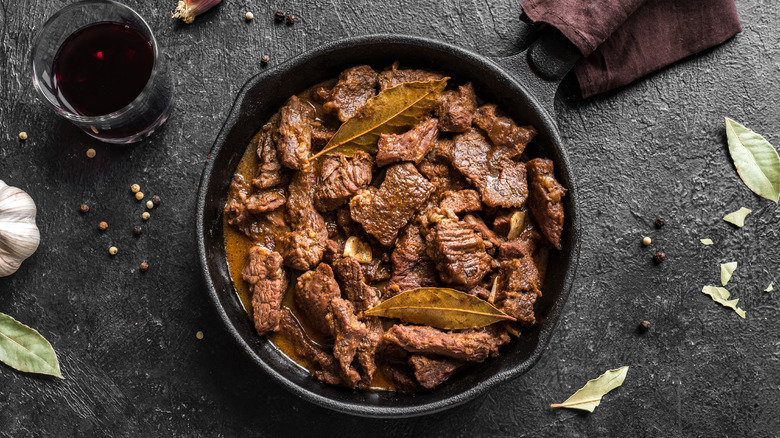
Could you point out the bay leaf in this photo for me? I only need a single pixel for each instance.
(757, 162)
(392, 111)
(24, 349)
(721, 295)
(770, 288)
(738, 217)
(706, 241)
(589, 396)
(440, 307)
(726, 270)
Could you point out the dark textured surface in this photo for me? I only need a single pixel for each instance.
(127, 342)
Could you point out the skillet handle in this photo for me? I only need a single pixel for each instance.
(543, 65)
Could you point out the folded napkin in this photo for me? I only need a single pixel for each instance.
(623, 40)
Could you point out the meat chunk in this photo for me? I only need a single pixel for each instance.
(334, 250)
(502, 130)
(412, 268)
(321, 134)
(269, 167)
(469, 346)
(313, 293)
(267, 282)
(459, 254)
(350, 276)
(479, 227)
(235, 210)
(348, 331)
(395, 76)
(545, 199)
(409, 146)
(502, 223)
(500, 181)
(355, 87)
(461, 201)
(323, 365)
(265, 201)
(517, 289)
(304, 246)
(456, 109)
(341, 178)
(385, 211)
(401, 375)
(432, 371)
(294, 134)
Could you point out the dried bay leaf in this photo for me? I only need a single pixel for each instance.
(706, 241)
(769, 288)
(589, 396)
(440, 307)
(24, 349)
(721, 295)
(738, 217)
(392, 111)
(726, 270)
(756, 160)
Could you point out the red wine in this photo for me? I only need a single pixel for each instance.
(103, 67)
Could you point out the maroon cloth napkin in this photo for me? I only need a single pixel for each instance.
(623, 40)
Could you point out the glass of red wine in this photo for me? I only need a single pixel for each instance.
(97, 64)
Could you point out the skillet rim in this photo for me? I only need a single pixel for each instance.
(553, 315)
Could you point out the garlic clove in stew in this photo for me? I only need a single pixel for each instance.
(19, 236)
(187, 10)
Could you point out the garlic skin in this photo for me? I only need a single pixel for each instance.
(187, 10)
(19, 236)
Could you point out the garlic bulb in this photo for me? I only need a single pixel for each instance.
(19, 237)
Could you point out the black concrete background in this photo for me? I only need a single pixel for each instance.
(126, 340)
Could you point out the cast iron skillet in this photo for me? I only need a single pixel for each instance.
(507, 82)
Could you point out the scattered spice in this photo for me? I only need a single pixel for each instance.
(769, 288)
(91, 153)
(738, 217)
(706, 241)
(135, 188)
(84, 208)
(113, 250)
(156, 200)
(726, 271)
(644, 326)
(145, 216)
(721, 295)
(279, 16)
(647, 240)
(139, 195)
(589, 396)
(265, 59)
(103, 226)
(659, 257)
(756, 160)
(187, 10)
(137, 230)
(199, 335)
(660, 222)
(22, 136)
(290, 20)
(144, 266)
(249, 16)
(149, 204)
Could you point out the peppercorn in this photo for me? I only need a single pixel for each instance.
(137, 230)
(135, 188)
(659, 257)
(144, 266)
(156, 200)
(103, 226)
(249, 16)
(113, 250)
(91, 153)
(647, 240)
(290, 20)
(149, 204)
(145, 216)
(84, 208)
(22, 136)
(139, 195)
(644, 326)
(279, 16)
(265, 59)
(660, 222)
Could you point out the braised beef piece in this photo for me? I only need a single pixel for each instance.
(323, 365)
(350, 276)
(303, 247)
(459, 254)
(432, 371)
(517, 289)
(269, 166)
(443, 176)
(412, 268)
(348, 331)
(385, 211)
(476, 223)
(470, 346)
(321, 134)
(377, 269)
(409, 146)
(524, 246)
(401, 375)
(456, 109)
(502, 223)
(265, 201)
(267, 282)
(340, 178)
(294, 135)
(235, 209)
(545, 199)
(355, 87)
(395, 76)
(502, 130)
(480, 292)
(313, 293)
(461, 201)
(500, 181)
(334, 250)
(320, 94)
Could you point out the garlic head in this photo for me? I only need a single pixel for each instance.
(19, 236)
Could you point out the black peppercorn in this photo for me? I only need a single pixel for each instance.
(265, 60)
(84, 208)
(660, 222)
(137, 230)
(290, 19)
(279, 16)
(144, 266)
(644, 326)
(156, 200)
(659, 257)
